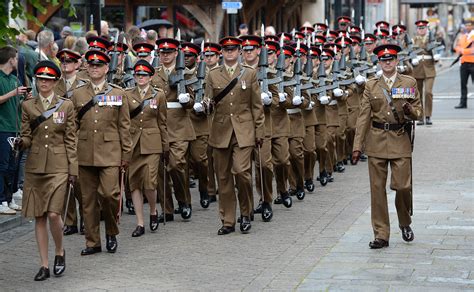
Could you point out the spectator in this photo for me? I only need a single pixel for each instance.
(65, 32)
(243, 29)
(91, 33)
(81, 46)
(69, 42)
(45, 45)
(31, 39)
(151, 37)
(9, 123)
(270, 30)
(53, 57)
(31, 57)
(104, 29)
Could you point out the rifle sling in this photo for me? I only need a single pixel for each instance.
(46, 115)
(142, 105)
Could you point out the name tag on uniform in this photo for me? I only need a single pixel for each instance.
(110, 100)
(153, 104)
(58, 117)
(403, 93)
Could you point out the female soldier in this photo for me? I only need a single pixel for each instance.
(150, 139)
(49, 130)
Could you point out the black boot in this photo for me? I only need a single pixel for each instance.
(462, 104)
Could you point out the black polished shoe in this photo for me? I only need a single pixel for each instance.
(252, 218)
(300, 194)
(42, 274)
(278, 200)
(179, 209)
(420, 123)
(267, 212)
(309, 185)
(330, 178)
(139, 231)
(130, 207)
(111, 243)
(169, 217)
(245, 224)
(204, 199)
(344, 161)
(323, 178)
(363, 157)
(292, 192)
(340, 167)
(212, 199)
(461, 105)
(407, 233)
(186, 212)
(378, 243)
(225, 230)
(91, 250)
(59, 264)
(259, 208)
(428, 121)
(154, 222)
(286, 200)
(192, 183)
(69, 230)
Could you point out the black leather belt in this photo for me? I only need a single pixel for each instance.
(387, 126)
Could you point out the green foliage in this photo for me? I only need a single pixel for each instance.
(18, 11)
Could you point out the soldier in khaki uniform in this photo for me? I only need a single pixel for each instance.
(150, 140)
(51, 163)
(237, 125)
(70, 62)
(103, 148)
(383, 125)
(424, 71)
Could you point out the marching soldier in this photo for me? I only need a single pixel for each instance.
(237, 126)
(49, 130)
(95, 43)
(424, 71)
(262, 155)
(104, 146)
(121, 50)
(70, 62)
(388, 106)
(144, 51)
(180, 133)
(150, 140)
(198, 148)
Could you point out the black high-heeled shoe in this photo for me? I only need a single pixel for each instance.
(42, 275)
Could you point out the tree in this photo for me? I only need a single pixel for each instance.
(18, 11)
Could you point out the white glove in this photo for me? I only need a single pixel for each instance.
(324, 99)
(401, 68)
(360, 79)
(282, 96)
(310, 106)
(436, 57)
(378, 73)
(198, 107)
(338, 92)
(184, 98)
(415, 61)
(297, 100)
(266, 99)
(374, 67)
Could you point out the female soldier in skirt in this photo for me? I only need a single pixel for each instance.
(150, 139)
(51, 164)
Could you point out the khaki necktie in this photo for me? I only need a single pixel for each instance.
(45, 103)
(168, 71)
(96, 89)
(142, 93)
(68, 85)
(230, 71)
(389, 83)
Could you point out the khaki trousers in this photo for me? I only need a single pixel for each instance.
(233, 163)
(281, 162)
(331, 146)
(267, 171)
(321, 146)
(99, 183)
(199, 161)
(309, 148)
(296, 173)
(341, 138)
(400, 182)
(427, 101)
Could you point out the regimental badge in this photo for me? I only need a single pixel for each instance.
(403, 93)
(243, 84)
(153, 104)
(58, 117)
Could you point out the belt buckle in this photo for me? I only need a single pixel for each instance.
(386, 126)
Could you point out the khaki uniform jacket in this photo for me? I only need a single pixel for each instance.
(104, 131)
(280, 120)
(374, 107)
(60, 88)
(53, 143)
(426, 68)
(297, 127)
(309, 116)
(332, 111)
(178, 120)
(148, 128)
(239, 112)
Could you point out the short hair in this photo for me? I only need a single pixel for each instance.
(30, 34)
(91, 33)
(138, 40)
(6, 53)
(133, 32)
(151, 35)
(45, 38)
(69, 42)
(81, 46)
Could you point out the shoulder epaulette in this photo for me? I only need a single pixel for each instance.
(129, 89)
(115, 86)
(215, 68)
(82, 84)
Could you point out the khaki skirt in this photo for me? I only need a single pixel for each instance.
(143, 170)
(44, 193)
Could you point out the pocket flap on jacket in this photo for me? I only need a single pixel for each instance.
(111, 136)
